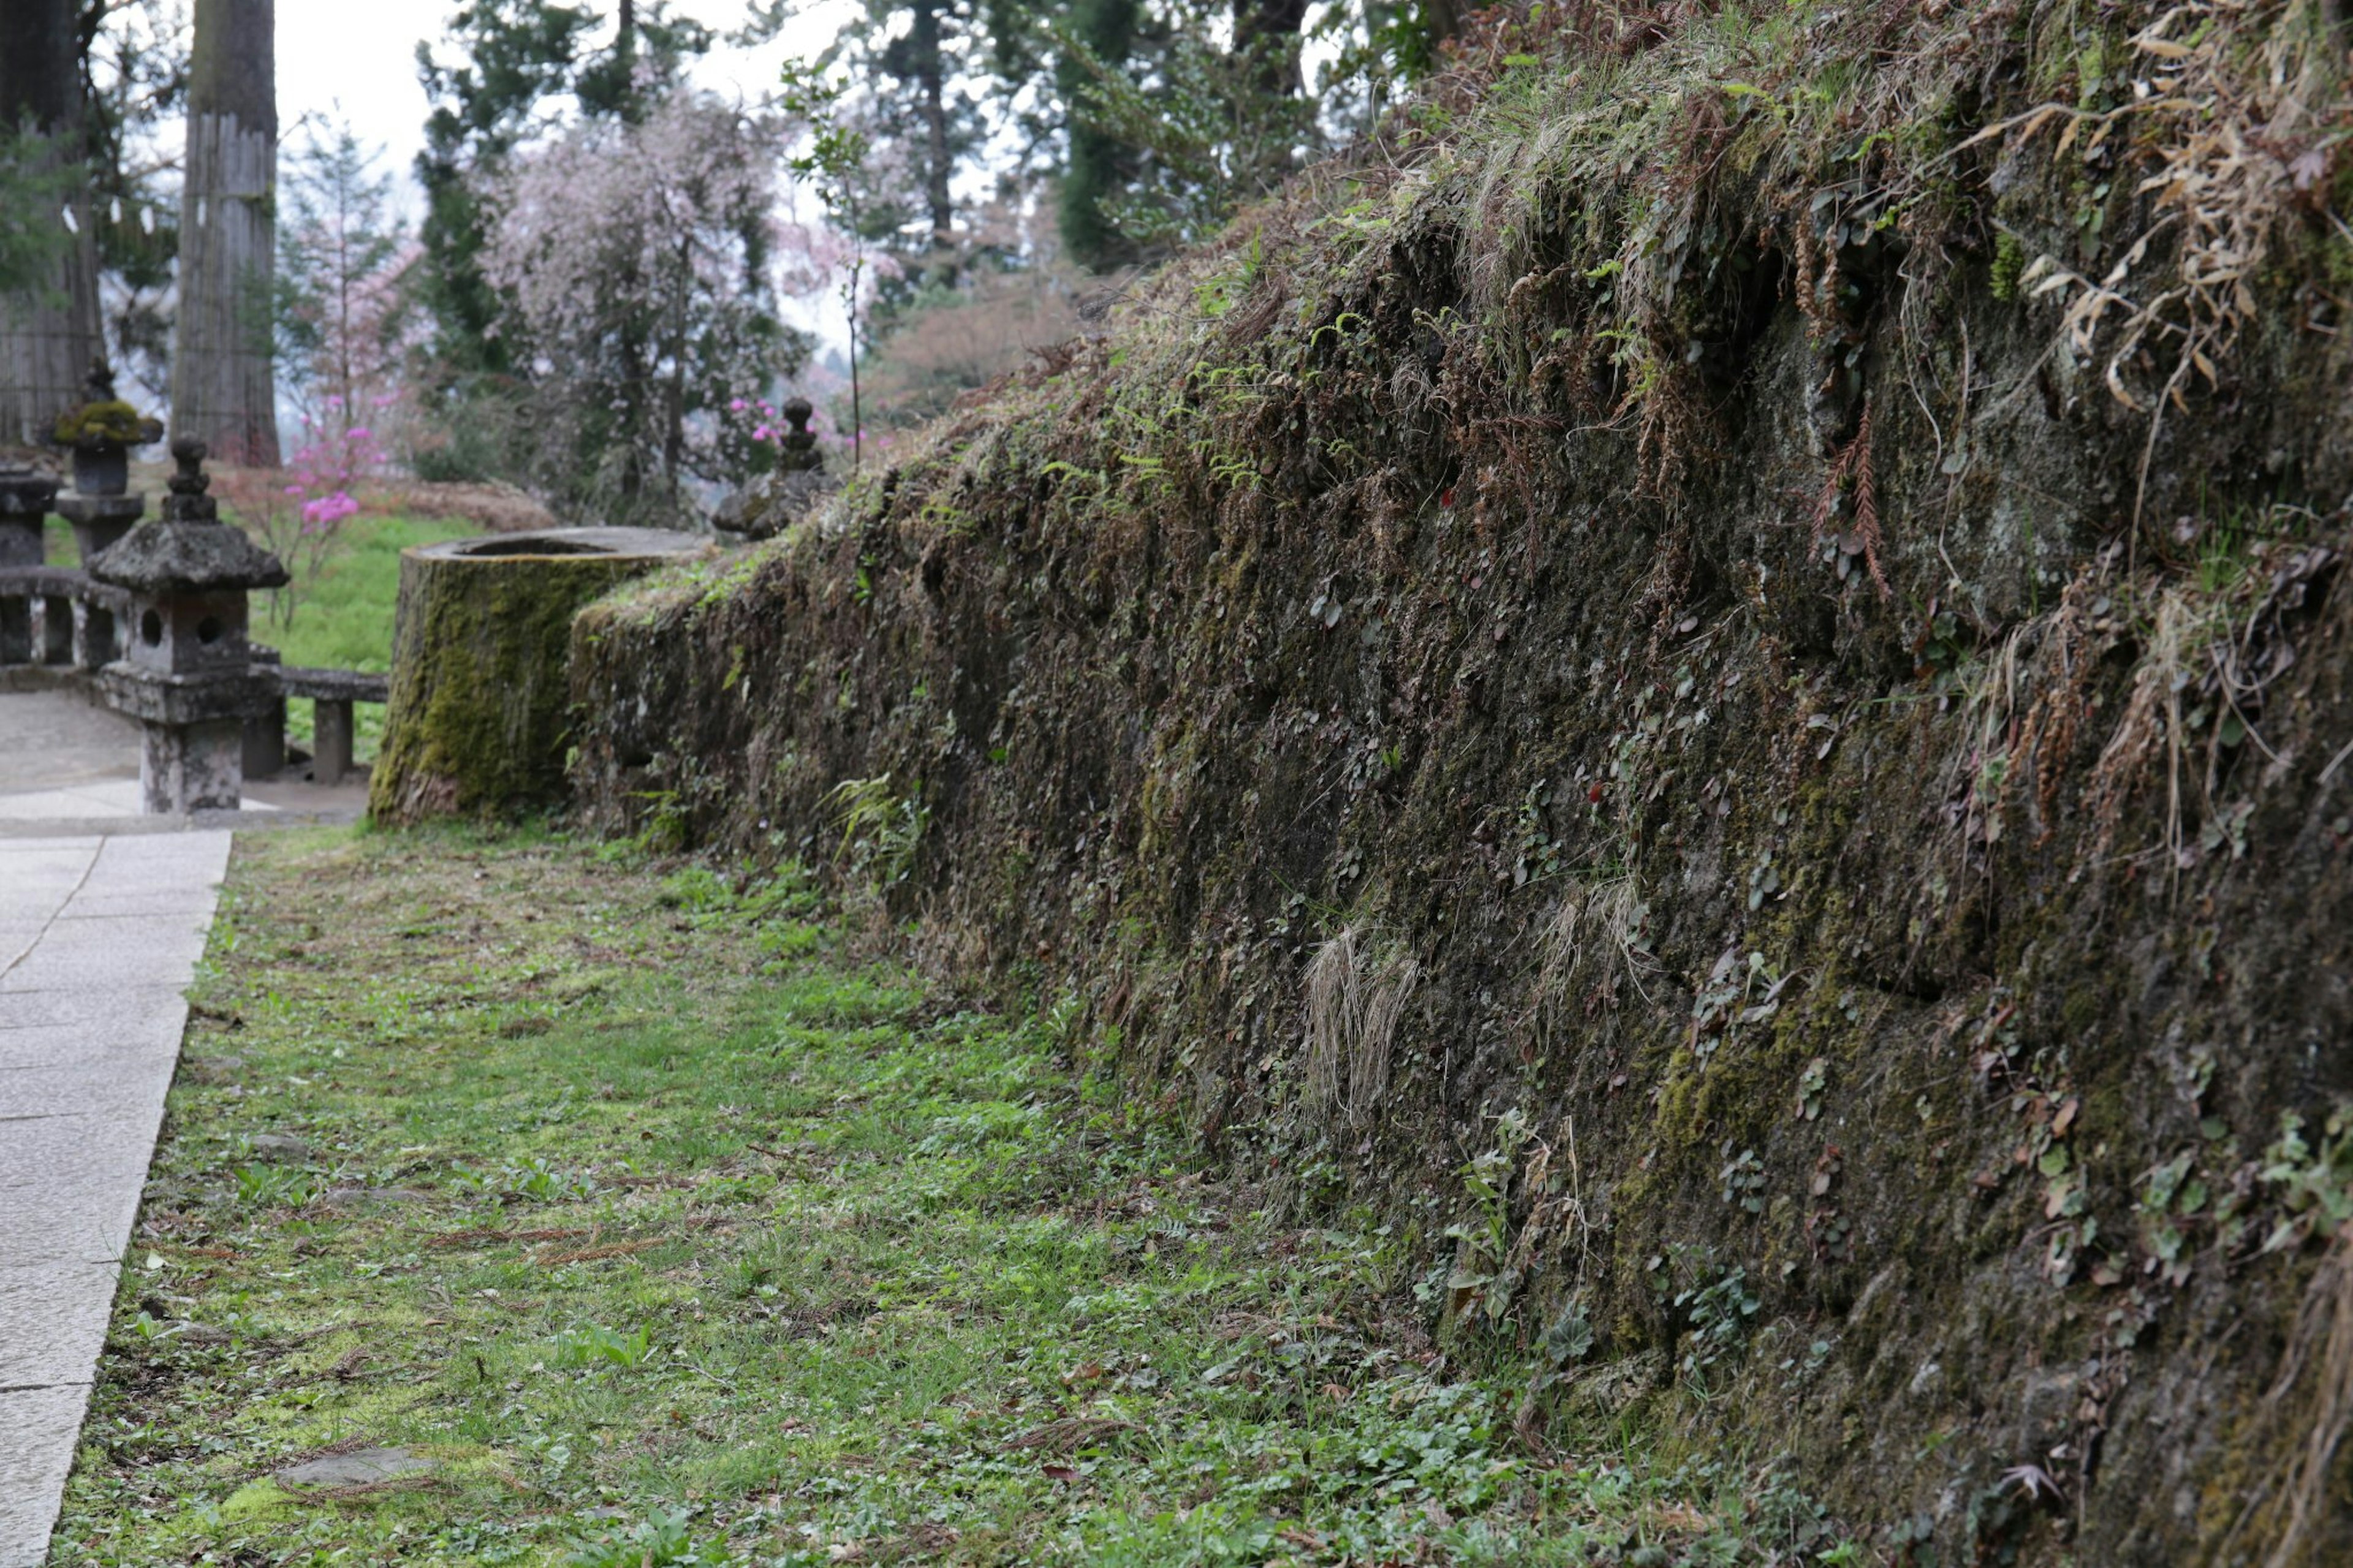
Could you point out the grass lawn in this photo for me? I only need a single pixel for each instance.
(670, 1234)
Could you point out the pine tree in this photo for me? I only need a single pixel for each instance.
(339, 306)
(1101, 164)
(510, 56)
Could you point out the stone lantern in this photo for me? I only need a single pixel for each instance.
(102, 505)
(25, 494)
(100, 433)
(764, 509)
(188, 673)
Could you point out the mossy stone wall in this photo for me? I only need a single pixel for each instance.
(1844, 810)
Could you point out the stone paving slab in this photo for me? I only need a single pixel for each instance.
(102, 1083)
(99, 936)
(77, 1047)
(65, 960)
(52, 1323)
(77, 1009)
(64, 1196)
(36, 1450)
(116, 798)
(87, 904)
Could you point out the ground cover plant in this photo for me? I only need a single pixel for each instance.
(672, 1227)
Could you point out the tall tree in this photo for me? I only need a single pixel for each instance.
(918, 58)
(222, 390)
(1100, 37)
(48, 311)
(340, 315)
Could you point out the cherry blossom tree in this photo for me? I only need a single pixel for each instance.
(638, 265)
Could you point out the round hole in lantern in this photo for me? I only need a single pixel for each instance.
(151, 628)
(208, 630)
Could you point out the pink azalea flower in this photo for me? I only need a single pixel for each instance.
(329, 509)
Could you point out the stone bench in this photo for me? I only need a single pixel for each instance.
(331, 693)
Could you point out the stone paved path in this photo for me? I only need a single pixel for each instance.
(103, 915)
(98, 933)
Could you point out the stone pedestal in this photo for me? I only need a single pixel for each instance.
(97, 641)
(331, 741)
(99, 521)
(265, 732)
(56, 629)
(192, 767)
(186, 764)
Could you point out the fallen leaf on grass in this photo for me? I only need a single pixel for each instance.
(494, 1237)
(590, 1254)
(1069, 1434)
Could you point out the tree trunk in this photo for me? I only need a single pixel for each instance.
(480, 716)
(48, 333)
(1442, 22)
(1098, 163)
(222, 390)
(931, 76)
(1266, 33)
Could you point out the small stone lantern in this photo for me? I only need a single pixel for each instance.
(101, 432)
(102, 505)
(764, 509)
(189, 674)
(25, 494)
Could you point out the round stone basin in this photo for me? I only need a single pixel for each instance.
(557, 543)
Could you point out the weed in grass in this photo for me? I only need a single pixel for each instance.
(592, 1345)
(272, 1186)
(663, 1540)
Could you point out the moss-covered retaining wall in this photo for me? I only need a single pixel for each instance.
(1816, 880)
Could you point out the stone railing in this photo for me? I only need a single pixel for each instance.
(63, 622)
(58, 618)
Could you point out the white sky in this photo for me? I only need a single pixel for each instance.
(347, 60)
